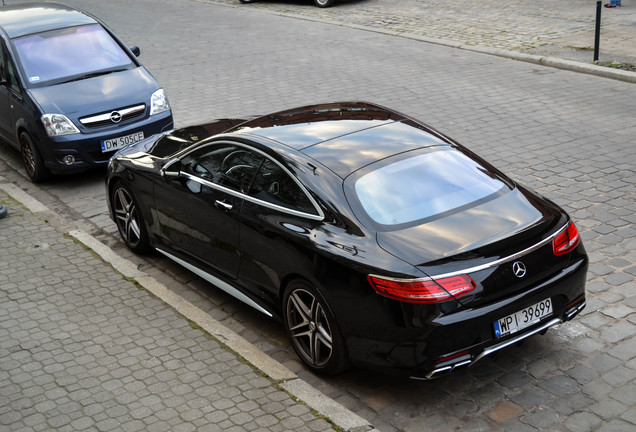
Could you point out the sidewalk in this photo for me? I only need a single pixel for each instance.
(84, 348)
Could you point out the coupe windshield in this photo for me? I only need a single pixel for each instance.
(69, 53)
(425, 186)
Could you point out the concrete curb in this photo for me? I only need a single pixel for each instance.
(569, 65)
(282, 376)
(19, 195)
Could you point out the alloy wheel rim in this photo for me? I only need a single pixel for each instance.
(28, 157)
(309, 328)
(126, 216)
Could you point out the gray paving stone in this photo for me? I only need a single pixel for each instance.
(542, 418)
(616, 426)
(618, 332)
(583, 422)
(532, 397)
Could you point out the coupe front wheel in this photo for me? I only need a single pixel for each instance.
(129, 220)
(324, 3)
(33, 161)
(312, 329)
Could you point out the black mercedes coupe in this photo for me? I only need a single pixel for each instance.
(376, 240)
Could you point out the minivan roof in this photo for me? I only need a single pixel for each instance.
(28, 18)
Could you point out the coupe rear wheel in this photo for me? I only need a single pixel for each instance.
(312, 329)
(130, 222)
(33, 161)
(324, 3)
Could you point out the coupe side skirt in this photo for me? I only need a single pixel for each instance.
(217, 282)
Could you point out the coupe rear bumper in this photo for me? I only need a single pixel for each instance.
(541, 328)
(463, 338)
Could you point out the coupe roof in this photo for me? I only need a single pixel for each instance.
(343, 136)
(28, 18)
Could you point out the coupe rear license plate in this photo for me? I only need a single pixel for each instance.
(522, 319)
(122, 141)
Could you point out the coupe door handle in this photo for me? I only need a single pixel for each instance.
(223, 205)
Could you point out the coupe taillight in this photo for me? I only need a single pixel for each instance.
(423, 290)
(566, 241)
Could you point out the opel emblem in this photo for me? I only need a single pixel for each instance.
(519, 269)
(115, 117)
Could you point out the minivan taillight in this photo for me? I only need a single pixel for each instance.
(567, 240)
(423, 290)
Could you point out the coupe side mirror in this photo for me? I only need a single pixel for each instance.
(135, 50)
(172, 171)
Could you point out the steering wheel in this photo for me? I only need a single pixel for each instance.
(234, 168)
(228, 159)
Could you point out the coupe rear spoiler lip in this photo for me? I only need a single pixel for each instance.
(504, 260)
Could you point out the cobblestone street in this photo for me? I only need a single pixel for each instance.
(563, 29)
(567, 135)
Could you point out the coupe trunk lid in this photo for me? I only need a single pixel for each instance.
(485, 241)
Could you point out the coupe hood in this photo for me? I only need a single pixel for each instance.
(98, 94)
(480, 231)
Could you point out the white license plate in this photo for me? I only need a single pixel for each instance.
(522, 319)
(119, 142)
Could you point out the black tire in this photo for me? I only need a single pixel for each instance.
(247, 1)
(33, 161)
(312, 329)
(129, 219)
(324, 3)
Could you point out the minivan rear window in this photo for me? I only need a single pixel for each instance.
(425, 186)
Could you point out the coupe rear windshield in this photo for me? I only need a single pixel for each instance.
(425, 186)
(69, 53)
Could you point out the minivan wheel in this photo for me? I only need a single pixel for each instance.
(33, 161)
(312, 329)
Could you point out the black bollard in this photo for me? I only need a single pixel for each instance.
(597, 32)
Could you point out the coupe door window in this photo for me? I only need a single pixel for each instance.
(248, 172)
(227, 165)
(273, 185)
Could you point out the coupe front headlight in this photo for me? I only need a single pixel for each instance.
(159, 102)
(58, 124)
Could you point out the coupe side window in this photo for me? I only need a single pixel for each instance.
(273, 185)
(226, 165)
